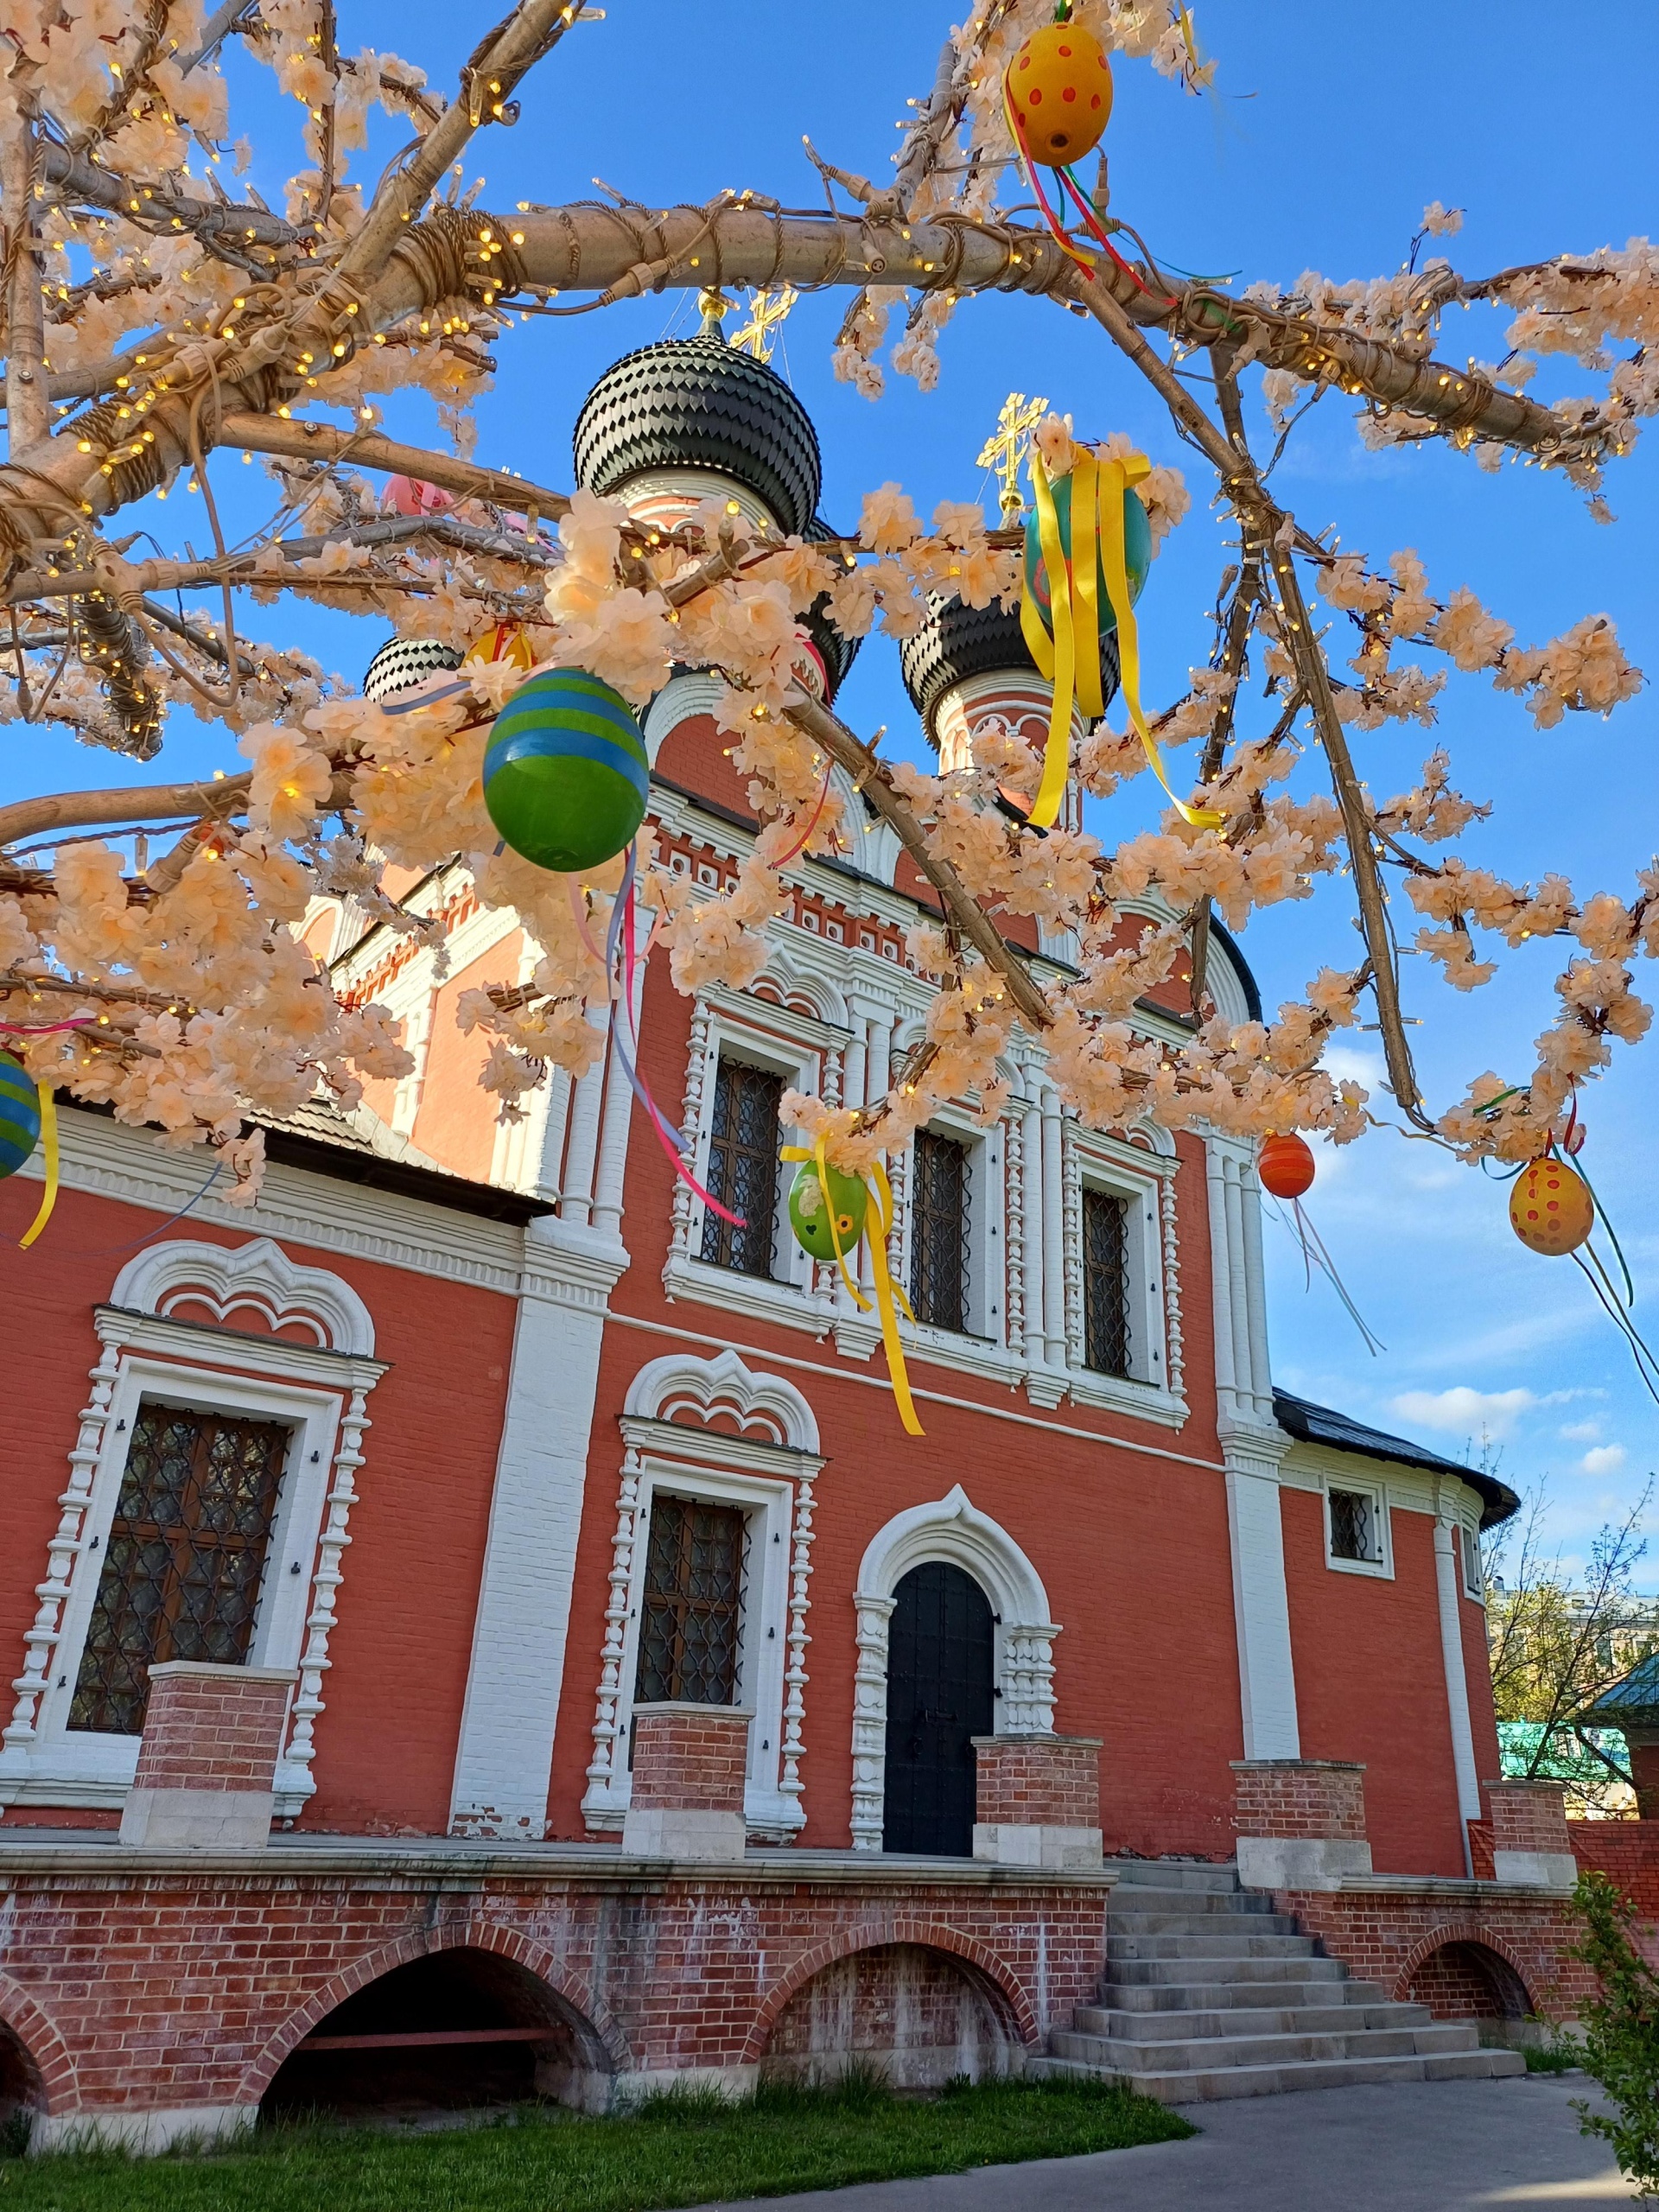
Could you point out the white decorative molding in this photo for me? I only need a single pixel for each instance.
(1243, 1383)
(1267, 1673)
(145, 1355)
(680, 1383)
(1175, 1346)
(1448, 1577)
(256, 1277)
(767, 1470)
(950, 1528)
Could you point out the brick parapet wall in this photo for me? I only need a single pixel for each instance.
(175, 1990)
(1037, 1781)
(1388, 1936)
(689, 1757)
(215, 1728)
(1627, 1852)
(1299, 1799)
(1528, 1816)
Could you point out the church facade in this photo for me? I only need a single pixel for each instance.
(536, 1574)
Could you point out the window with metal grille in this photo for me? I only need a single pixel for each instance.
(1353, 1525)
(1105, 1282)
(183, 1559)
(938, 1231)
(743, 1168)
(692, 1619)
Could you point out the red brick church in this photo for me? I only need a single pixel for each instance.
(478, 1629)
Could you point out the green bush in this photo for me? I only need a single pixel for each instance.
(1621, 2042)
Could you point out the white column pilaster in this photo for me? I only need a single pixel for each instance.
(1447, 1577)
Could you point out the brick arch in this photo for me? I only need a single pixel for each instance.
(43, 2045)
(1459, 1931)
(929, 1935)
(592, 2022)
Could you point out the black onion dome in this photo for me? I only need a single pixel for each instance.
(957, 641)
(838, 650)
(698, 403)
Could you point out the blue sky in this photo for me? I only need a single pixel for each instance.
(1330, 130)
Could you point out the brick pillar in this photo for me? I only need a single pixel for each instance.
(689, 1762)
(1300, 1823)
(207, 1758)
(1644, 1746)
(1530, 1843)
(1038, 1800)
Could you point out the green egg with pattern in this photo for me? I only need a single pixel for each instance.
(810, 1218)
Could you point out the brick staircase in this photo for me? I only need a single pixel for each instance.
(1209, 1993)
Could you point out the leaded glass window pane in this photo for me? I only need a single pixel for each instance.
(184, 1558)
(1105, 1283)
(743, 1168)
(1353, 1525)
(938, 1231)
(692, 1615)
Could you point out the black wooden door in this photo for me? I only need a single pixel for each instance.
(939, 1696)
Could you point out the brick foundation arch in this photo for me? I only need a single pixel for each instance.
(601, 2041)
(1471, 1935)
(990, 1972)
(48, 2060)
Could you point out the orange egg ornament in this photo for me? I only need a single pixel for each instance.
(1285, 1165)
(1551, 1210)
(1059, 88)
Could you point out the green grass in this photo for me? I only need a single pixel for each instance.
(1561, 2057)
(674, 2149)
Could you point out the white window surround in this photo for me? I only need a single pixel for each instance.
(807, 1053)
(950, 1528)
(986, 1228)
(1146, 1181)
(768, 1471)
(1382, 1566)
(318, 1390)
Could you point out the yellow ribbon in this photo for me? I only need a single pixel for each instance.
(50, 1145)
(1071, 658)
(887, 1292)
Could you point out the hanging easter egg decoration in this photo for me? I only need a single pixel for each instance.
(411, 495)
(1285, 1166)
(1137, 555)
(1060, 93)
(823, 1229)
(403, 663)
(566, 775)
(1551, 1210)
(20, 1115)
(503, 641)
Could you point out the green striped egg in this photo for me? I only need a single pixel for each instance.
(20, 1115)
(1137, 555)
(566, 775)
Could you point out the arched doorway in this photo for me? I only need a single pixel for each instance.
(1469, 1981)
(453, 2032)
(21, 2099)
(917, 2015)
(941, 1662)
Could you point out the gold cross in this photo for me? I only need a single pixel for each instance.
(766, 310)
(1005, 452)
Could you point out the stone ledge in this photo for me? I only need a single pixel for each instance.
(1456, 1887)
(100, 1857)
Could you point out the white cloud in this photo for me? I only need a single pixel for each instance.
(1581, 1432)
(1605, 1460)
(1462, 1411)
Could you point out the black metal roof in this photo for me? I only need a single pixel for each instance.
(1341, 1433)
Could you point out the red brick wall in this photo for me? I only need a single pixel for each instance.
(180, 1989)
(1644, 1774)
(920, 2014)
(1527, 1816)
(690, 1759)
(386, 1743)
(1387, 1937)
(218, 1730)
(1370, 1685)
(1466, 1981)
(1300, 1798)
(1626, 1852)
(1039, 1781)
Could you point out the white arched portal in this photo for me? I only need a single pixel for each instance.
(950, 1528)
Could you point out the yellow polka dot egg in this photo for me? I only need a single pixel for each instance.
(1060, 91)
(1551, 1210)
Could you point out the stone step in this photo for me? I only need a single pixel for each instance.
(1193, 2087)
(1210, 1902)
(1229, 1996)
(1208, 2053)
(1213, 1944)
(1209, 1968)
(1246, 2020)
(1176, 1873)
(1137, 1922)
